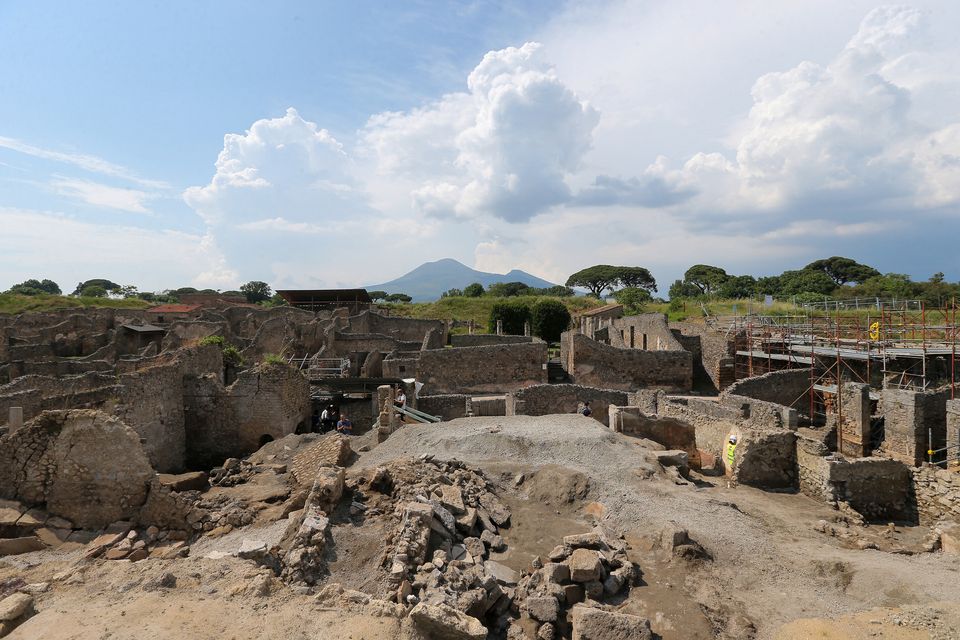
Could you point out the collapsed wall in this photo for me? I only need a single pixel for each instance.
(595, 364)
(81, 465)
(545, 399)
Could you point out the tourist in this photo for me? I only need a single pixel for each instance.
(585, 409)
(401, 399)
(344, 426)
(326, 419)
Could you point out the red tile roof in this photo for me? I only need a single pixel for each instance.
(174, 308)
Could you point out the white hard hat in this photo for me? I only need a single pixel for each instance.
(733, 439)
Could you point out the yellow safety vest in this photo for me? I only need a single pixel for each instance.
(731, 449)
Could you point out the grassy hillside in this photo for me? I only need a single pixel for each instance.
(477, 309)
(12, 303)
(693, 310)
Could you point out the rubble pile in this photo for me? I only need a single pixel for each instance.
(448, 521)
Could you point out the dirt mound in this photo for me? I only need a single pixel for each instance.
(556, 485)
(570, 441)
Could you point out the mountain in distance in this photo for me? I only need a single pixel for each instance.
(429, 280)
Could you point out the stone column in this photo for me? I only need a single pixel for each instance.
(385, 397)
(15, 420)
(526, 329)
(499, 327)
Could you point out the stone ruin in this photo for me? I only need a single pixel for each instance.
(133, 441)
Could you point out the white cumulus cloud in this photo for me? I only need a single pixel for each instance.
(505, 148)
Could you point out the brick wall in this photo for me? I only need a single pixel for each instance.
(545, 399)
(644, 331)
(594, 364)
(150, 401)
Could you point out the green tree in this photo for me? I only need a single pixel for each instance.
(398, 297)
(256, 291)
(557, 291)
(705, 277)
(452, 293)
(508, 289)
(633, 299)
(377, 295)
(514, 315)
(889, 285)
(108, 286)
(474, 290)
(603, 277)
(768, 285)
(682, 289)
(34, 287)
(843, 270)
(806, 281)
(93, 291)
(738, 287)
(549, 318)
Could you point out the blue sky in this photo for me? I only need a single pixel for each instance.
(365, 138)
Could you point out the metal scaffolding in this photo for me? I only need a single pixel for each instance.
(906, 346)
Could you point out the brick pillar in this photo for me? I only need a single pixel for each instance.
(15, 420)
(854, 424)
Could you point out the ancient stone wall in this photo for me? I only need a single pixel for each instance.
(879, 489)
(953, 431)
(490, 369)
(269, 400)
(670, 432)
(486, 339)
(713, 421)
(909, 419)
(716, 360)
(400, 367)
(789, 387)
(36, 394)
(447, 406)
(151, 402)
(766, 459)
(210, 423)
(936, 494)
(854, 420)
(400, 329)
(594, 364)
(760, 413)
(648, 331)
(541, 400)
(488, 406)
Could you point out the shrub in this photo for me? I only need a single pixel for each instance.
(513, 315)
(232, 356)
(550, 318)
(274, 359)
(220, 341)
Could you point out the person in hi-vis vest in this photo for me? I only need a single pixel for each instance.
(729, 454)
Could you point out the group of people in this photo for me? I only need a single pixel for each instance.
(331, 418)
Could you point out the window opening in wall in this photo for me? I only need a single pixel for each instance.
(265, 438)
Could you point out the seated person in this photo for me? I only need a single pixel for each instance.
(401, 399)
(344, 425)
